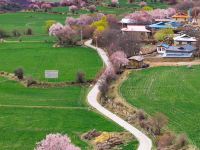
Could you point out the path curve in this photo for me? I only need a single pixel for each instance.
(144, 142)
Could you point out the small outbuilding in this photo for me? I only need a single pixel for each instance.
(136, 62)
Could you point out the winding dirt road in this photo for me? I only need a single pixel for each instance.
(145, 143)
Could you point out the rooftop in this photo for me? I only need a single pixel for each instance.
(137, 58)
(135, 28)
(184, 38)
(180, 15)
(164, 25)
(183, 48)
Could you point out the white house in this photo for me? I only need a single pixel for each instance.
(141, 29)
(161, 48)
(183, 51)
(135, 28)
(184, 39)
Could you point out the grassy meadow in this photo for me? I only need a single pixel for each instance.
(27, 115)
(35, 58)
(173, 91)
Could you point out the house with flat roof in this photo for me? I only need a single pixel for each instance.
(184, 39)
(183, 51)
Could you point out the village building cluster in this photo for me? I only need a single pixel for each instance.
(181, 46)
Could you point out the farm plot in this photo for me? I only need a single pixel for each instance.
(173, 91)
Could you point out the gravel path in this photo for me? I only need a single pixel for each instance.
(144, 142)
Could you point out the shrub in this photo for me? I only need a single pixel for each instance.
(80, 77)
(16, 33)
(162, 34)
(158, 121)
(73, 9)
(48, 24)
(147, 8)
(30, 81)
(109, 75)
(56, 142)
(114, 3)
(3, 34)
(92, 8)
(165, 140)
(19, 73)
(181, 141)
(29, 31)
(141, 115)
(103, 88)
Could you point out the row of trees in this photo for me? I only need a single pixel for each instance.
(74, 5)
(15, 33)
(84, 27)
(148, 17)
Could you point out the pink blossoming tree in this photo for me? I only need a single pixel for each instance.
(73, 8)
(56, 142)
(140, 18)
(119, 60)
(46, 7)
(65, 34)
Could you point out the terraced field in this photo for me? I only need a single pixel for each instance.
(173, 91)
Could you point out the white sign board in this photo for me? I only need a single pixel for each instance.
(51, 74)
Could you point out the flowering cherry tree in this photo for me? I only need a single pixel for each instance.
(65, 34)
(114, 3)
(140, 18)
(34, 7)
(83, 20)
(55, 29)
(56, 142)
(162, 13)
(46, 6)
(66, 2)
(73, 8)
(119, 60)
(92, 8)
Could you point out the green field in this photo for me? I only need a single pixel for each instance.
(63, 110)
(35, 58)
(23, 20)
(173, 91)
(27, 115)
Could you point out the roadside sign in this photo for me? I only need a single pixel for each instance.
(51, 74)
